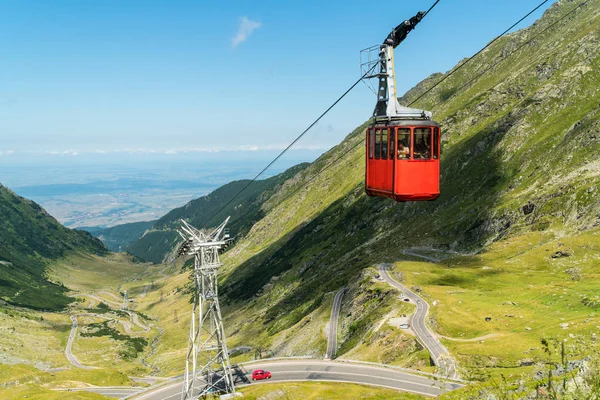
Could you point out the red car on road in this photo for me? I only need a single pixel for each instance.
(259, 374)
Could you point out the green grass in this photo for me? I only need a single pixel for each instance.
(322, 390)
(18, 381)
(33, 391)
(527, 294)
(29, 239)
(85, 273)
(132, 346)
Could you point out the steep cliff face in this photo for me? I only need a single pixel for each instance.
(29, 237)
(521, 127)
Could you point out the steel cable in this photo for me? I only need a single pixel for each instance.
(302, 134)
(502, 59)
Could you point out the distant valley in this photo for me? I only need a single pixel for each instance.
(89, 192)
(108, 203)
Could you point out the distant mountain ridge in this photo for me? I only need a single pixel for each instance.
(118, 238)
(29, 238)
(158, 240)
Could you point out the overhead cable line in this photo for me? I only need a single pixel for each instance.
(304, 132)
(293, 142)
(361, 140)
(517, 49)
(430, 8)
(426, 12)
(474, 55)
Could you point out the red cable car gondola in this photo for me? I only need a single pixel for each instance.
(403, 160)
(402, 144)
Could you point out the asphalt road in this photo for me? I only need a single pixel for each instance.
(116, 392)
(412, 253)
(439, 354)
(317, 370)
(110, 303)
(68, 350)
(333, 325)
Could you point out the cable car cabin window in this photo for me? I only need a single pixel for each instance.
(422, 150)
(377, 144)
(436, 141)
(384, 144)
(392, 152)
(371, 142)
(403, 143)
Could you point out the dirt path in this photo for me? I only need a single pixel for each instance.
(475, 339)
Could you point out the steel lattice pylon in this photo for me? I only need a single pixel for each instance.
(207, 356)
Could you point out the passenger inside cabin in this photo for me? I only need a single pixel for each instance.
(403, 151)
(403, 143)
(426, 151)
(419, 148)
(422, 146)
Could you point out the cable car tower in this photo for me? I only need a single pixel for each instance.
(207, 354)
(402, 143)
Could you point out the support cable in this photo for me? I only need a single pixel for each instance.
(474, 55)
(303, 133)
(430, 8)
(293, 142)
(468, 60)
(517, 49)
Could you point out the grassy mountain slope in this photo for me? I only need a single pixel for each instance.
(158, 241)
(521, 157)
(118, 237)
(29, 238)
(519, 186)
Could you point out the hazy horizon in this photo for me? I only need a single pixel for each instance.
(113, 188)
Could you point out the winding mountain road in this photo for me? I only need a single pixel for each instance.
(320, 371)
(69, 349)
(74, 361)
(411, 252)
(439, 354)
(333, 324)
(133, 315)
(103, 300)
(288, 370)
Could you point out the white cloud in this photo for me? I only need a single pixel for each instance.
(171, 151)
(247, 148)
(6, 152)
(247, 26)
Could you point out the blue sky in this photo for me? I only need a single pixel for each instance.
(111, 76)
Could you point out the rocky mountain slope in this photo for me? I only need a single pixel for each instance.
(29, 238)
(119, 237)
(521, 154)
(521, 126)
